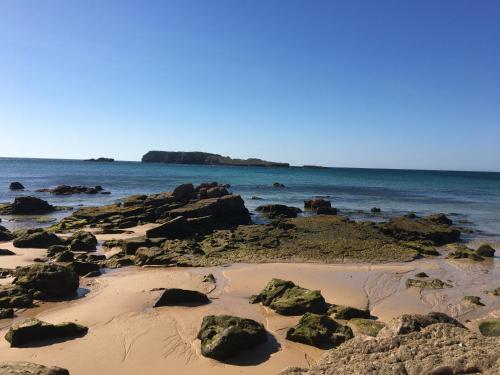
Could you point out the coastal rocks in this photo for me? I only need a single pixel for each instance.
(28, 368)
(463, 252)
(118, 261)
(84, 268)
(320, 331)
(278, 185)
(27, 205)
(277, 211)
(375, 210)
(286, 298)
(16, 186)
(69, 190)
(101, 160)
(314, 204)
(5, 252)
(6, 314)
(434, 228)
(184, 192)
(32, 330)
(155, 256)
(485, 250)
(495, 292)
(490, 327)
(427, 284)
(180, 227)
(408, 323)
(5, 234)
(473, 300)
(82, 241)
(50, 280)
(224, 336)
(439, 349)
(367, 327)
(348, 312)
(181, 297)
(326, 211)
(56, 249)
(36, 238)
(14, 296)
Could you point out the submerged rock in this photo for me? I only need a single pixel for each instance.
(490, 327)
(427, 284)
(181, 297)
(31, 330)
(286, 298)
(16, 186)
(28, 368)
(320, 331)
(36, 238)
(224, 336)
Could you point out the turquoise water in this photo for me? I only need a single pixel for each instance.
(471, 196)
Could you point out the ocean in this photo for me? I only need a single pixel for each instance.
(471, 198)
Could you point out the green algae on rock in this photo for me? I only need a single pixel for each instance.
(427, 284)
(366, 327)
(28, 368)
(490, 327)
(474, 300)
(348, 312)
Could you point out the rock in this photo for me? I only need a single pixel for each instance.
(427, 284)
(474, 300)
(320, 331)
(118, 262)
(32, 330)
(36, 238)
(224, 336)
(181, 297)
(439, 349)
(56, 249)
(485, 250)
(274, 211)
(286, 298)
(28, 368)
(6, 313)
(421, 275)
(255, 198)
(5, 234)
(83, 268)
(6, 252)
(16, 186)
(154, 256)
(30, 205)
(495, 292)
(326, 211)
(210, 278)
(131, 245)
(439, 219)
(490, 327)
(180, 227)
(366, 327)
(314, 204)
(94, 273)
(184, 192)
(68, 190)
(65, 256)
(82, 241)
(50, 279)
(14, 296)
(348, 312)
(375, 210)
(278, 185)
(101, 160)
(408, 323)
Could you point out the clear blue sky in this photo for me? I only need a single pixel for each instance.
(398, 84)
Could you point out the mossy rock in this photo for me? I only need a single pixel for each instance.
(366, 327)
(28, 368)
(320, 331)
(36, 238)
(286, 298)
(82, 241)
(15, 296)
(348, 312)
(495, 292)
(210, 278)
(485, 250)
(463, 252)
(490, 327)
(427, 284)
(474, 300)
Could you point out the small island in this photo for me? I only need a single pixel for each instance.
(195, 157)
(101, 159)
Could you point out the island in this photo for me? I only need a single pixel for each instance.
(101, 159)
(195, 157)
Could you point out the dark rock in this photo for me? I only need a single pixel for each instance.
(36, 238)
(463, 252)
(14, 296)
(94, 273)
(181, 297)
(82, 241)
(375, 210)
(101, 160)
(225, 336)
(495, 292)
(50, 279)
(490, 327)
(348, 312)
(408, 323)
(439, 219)
(278, 185)
(474, 300)
(421, 275)
(6, 313)
(184, 192)
(255, 198)
(314, 204)
(32, 330)
(65, 256)
(118, 262)
(16, 186)
(326, 211)
(368, 327)
(210, 278)
(5, 234)
(30, 205)
(320, 331)
(274, 211)
(56, 249)
(485, 250)
(96, 257)
(286, 298)
(427, 284)
(83, 268)
(28, 368)
(6, 252)
(68, 190)
(154, 256)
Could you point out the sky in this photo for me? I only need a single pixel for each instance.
(391, 84)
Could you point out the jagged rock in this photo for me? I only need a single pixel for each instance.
(65, 256)
(490, 327)
(274, 211)
(180, 227)
(440, 349)
(6, 313)
(366, 327)
(82, 241)
(28, 368)
(348, 312)
(278, 185)
(314, 204)
(5, 234)
(154, 256)
(32, 330)
(68, 190)
(5, 252)
(439, 218)
(320, 331)
(27, 205)
(83, 268)
(225, 336)
(14, 296)
(50, 279)
(36, 238)
(210, 278)
(16, 186)
(286, 298)
(427, 284)
(474, 300)
(184, 192)
(485, 250)
(181, 297)
(408, 323)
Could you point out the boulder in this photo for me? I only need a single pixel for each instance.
(210, 278)
(184, 192)
(28, 368)
(224, 336)
(314, 204)
(427, 284)
(439, 219)
(408, 323)
(65, 256)
(82, 241)
(181, 297)
(16, 186)
(326, 211)
(118, 262)
(32, 330)
(6, 252)
(485, 250)
(30, 205)
(275, 211)
(36, 238)
(50, 280)
(278, 185)
(14, 296)
(286, 298)
(368, 327)
(320, 331)
(5, 234)
(154, 256)
(6, 313)
(83, 268)
(490, 327)
(348, 312)
(56, 249)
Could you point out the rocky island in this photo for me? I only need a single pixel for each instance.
(101, 160)
(205, 158)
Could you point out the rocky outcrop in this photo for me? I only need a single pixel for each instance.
(320, 331)
(367, 327)
(16, 186)
(277, 211)
(5, 234)
(49, 280)
(408, 323)
(181, 297)
(28, 368)
(427, 284)
(314, 204)
(32, 330)
(14, 296)
(69, 190)
(286, 298)
(180, 157)
(6, 313)
(83, 268)
(101, 160)
(27, 205)
(224, 336)
(348, 312)
(439, 349)
(36, 238)
(82, 241)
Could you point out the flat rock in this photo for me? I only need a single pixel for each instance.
(5, 252)
(274, 211)
(408, 323)
(28, 368)
(36, 238)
